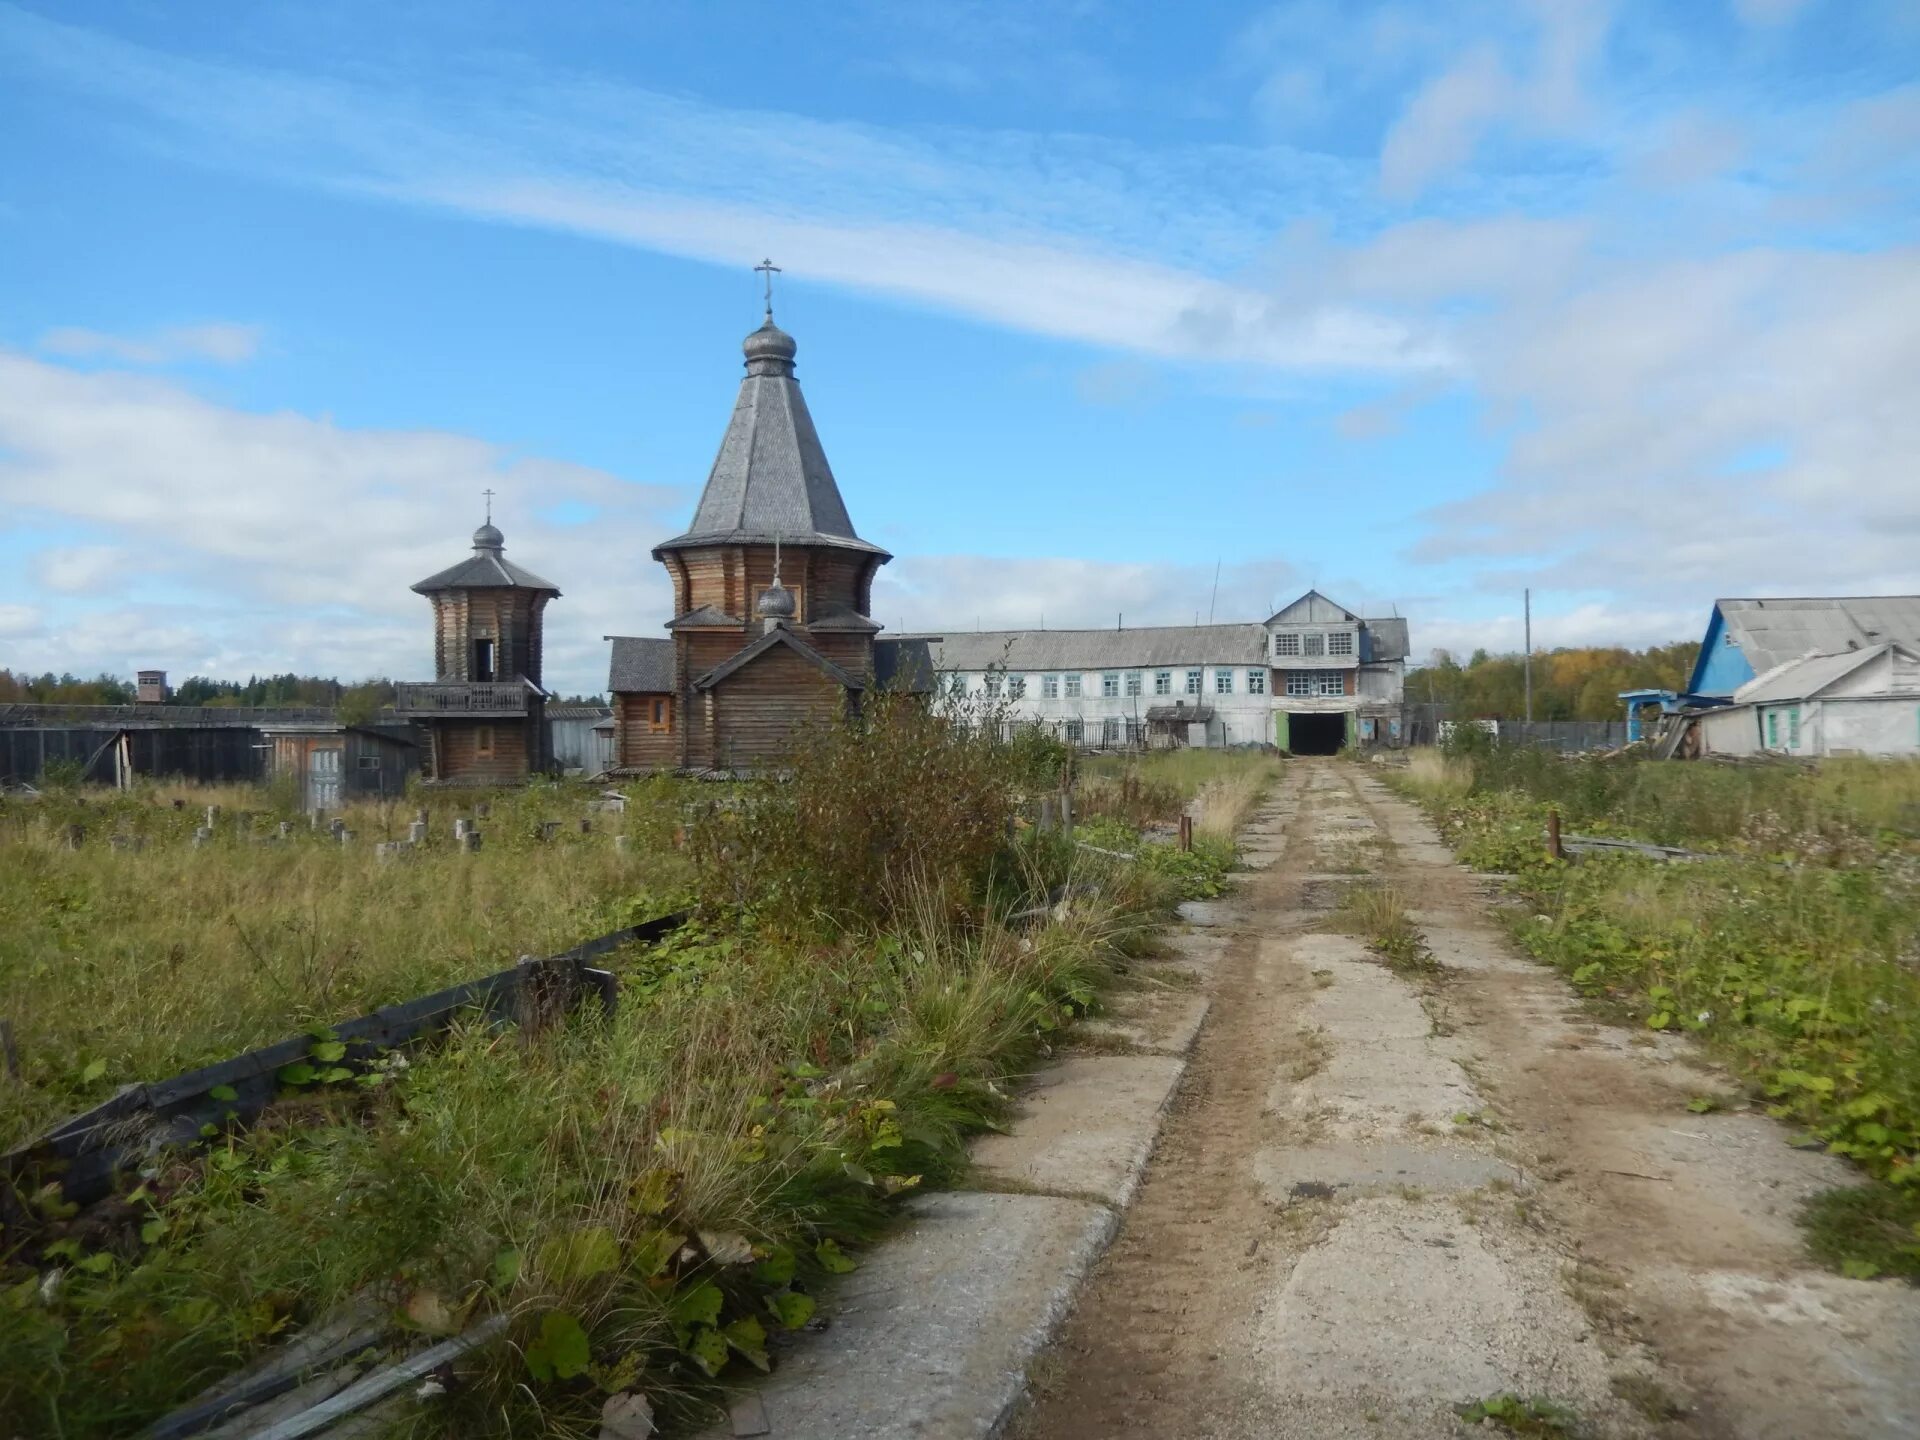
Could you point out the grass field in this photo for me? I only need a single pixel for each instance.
(119, 965)
(648, 1199)
(1795, 955)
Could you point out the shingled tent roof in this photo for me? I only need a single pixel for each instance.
(486, 569)
(771, 480)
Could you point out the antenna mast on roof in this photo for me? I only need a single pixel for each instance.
(769, 269)
(1215, 599)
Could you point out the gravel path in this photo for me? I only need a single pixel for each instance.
(1381, 1195)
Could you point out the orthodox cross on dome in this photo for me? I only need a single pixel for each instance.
(489, 495)
(769, 269)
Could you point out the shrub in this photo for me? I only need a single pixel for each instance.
(864, 811)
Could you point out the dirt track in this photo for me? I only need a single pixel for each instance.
(1379, 1196)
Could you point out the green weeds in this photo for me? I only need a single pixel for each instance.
(1794, 954)
(652, 1198)
(1379, 912)
(1517, 1415)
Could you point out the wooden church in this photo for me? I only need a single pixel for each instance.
(484, 713)
(772, 594)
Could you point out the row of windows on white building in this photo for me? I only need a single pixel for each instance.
(1114, 684)
(1313, 642)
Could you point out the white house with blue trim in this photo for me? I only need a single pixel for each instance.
(1856, 702)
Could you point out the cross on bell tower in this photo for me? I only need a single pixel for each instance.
(769, 269)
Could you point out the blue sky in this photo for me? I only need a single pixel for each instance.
(1418, 304)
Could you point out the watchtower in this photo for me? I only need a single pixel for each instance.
(483, 713)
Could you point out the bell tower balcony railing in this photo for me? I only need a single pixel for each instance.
(462, 698)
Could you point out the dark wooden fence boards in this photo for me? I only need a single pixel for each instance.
(84, 1153)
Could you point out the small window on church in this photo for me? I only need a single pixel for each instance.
(483, 660)
(483, 740)
(660, 714)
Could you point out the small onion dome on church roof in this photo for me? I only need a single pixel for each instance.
(769, 342)
(775, 603)
(486, 569)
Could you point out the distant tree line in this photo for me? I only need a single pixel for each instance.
(1572, 684)
(355, 703)
(52, 689)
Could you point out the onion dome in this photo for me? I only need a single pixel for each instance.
(769, 342)
(775, 602)
(488, 537)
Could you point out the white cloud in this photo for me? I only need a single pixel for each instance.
(17, 621)
(1064, 235)
(937, 592)
(1592, 623)
(1445, 121)
(296, 539)
(1691, 147)
(224, 343)
(81, 569)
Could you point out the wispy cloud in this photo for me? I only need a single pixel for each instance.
(1061, 235)
(285, 539)
(223, 343)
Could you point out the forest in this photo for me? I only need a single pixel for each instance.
(1571, 684)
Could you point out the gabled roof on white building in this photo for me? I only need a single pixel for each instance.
(1807, 677)
(1140, 649)
(1313, 608)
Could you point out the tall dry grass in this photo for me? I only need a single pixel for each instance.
(124, 965)
(1436, 776)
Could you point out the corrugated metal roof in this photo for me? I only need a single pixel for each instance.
(577, 712)
(1770, 632)
(771, 479)
(641, 665)
(1804, 679)
(1143, 648)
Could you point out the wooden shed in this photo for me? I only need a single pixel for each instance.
(334, 763)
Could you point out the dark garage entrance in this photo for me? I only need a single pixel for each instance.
(1316, 732)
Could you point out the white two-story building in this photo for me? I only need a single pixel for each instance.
(1312, 678)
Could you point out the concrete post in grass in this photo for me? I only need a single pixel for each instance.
(462, 827)
(470, 842)
(417, 833)
(213, 816)
(201, 835)
(286, 829)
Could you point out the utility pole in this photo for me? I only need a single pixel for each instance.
(1528, 604)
